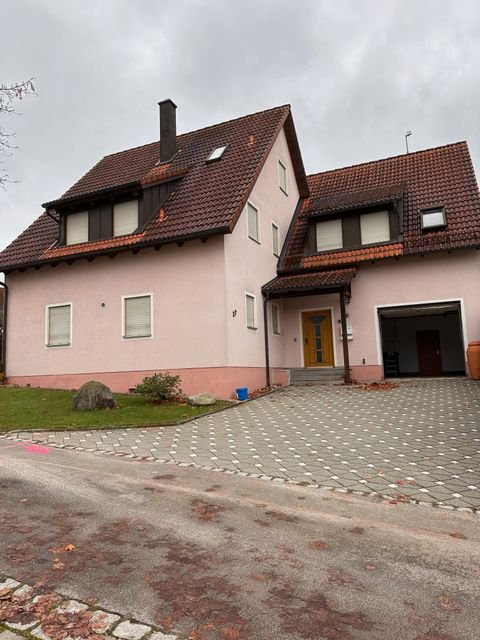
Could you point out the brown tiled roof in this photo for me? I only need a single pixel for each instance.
(336, 258)
(345, 200)
(442, 176)
(208, 198)
(310, 281)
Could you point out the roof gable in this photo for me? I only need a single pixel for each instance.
(433, 177)
(208, 198)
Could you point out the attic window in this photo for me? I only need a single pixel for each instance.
(217, 153)
(433, 218)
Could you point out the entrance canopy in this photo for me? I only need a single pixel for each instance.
(309, 283)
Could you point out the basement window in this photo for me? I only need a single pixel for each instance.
(217, 153)
(433, 218)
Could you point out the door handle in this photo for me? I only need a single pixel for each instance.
(438, 352)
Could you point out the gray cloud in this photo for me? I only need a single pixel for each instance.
(358, 73)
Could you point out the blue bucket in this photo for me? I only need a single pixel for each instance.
(242, 393)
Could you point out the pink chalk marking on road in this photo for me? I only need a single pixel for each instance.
(36, 448)
(30, 448)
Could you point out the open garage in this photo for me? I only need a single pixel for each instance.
(422, 340)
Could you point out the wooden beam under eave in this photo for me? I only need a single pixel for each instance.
(346, 355)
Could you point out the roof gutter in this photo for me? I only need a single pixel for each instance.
(224, 230)
(3, 354)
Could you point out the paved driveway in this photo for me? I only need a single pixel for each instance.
(419, 441)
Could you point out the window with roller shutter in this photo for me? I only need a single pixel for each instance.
(58, 331)
(137, 316)
(77, 228)
(125, 218)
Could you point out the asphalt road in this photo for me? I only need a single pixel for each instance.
(222, 557)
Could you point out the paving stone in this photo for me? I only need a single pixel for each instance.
(9, 635)
(19, 626)
(104, 621)
(158, 635)
(24, 593)
(71, 606)
(127, 630)
(9, 584)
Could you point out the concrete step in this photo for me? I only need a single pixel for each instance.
(312, 375)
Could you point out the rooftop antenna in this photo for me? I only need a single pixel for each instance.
(409, 133)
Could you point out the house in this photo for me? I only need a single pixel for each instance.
(395, 243)
(154, 260)
(2, 339)
(213, 256)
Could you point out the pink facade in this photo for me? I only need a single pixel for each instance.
(410, 281)
(198, 293)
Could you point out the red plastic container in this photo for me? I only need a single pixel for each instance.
(473, 358)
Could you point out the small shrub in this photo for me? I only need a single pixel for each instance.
(160, 386)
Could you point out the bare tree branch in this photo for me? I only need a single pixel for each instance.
(9, 95)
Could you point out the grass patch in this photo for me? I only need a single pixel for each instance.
(26, 408)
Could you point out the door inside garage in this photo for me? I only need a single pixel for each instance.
(422, 340)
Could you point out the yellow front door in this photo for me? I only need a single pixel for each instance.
(318, 338)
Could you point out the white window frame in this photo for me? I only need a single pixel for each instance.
(69, 217)
(282, 170)
(277, 252)
(364, 216)
(336, 248)
(250, 204)
(279, 323)
(255, 319)
(116, 204)
(47, 325)
(129, 297)
(217, 153)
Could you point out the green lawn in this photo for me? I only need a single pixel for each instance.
(22, 408)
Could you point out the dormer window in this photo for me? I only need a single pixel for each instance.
(433, 218)
(329, 235)
(217, 153)
(125, 218)
(76, 228)
(374, 227)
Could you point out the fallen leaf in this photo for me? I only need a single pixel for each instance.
(458, 535)
(69, 547)
(447, 603)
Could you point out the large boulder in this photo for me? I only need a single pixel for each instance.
(201, 400)
(93, 395)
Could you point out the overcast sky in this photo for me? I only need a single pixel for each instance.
(358, 74)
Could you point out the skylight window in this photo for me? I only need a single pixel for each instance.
(217, 153)
(433, 218)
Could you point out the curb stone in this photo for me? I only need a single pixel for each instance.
(105, 624)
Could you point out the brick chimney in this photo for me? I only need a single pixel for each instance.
(168, 130)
